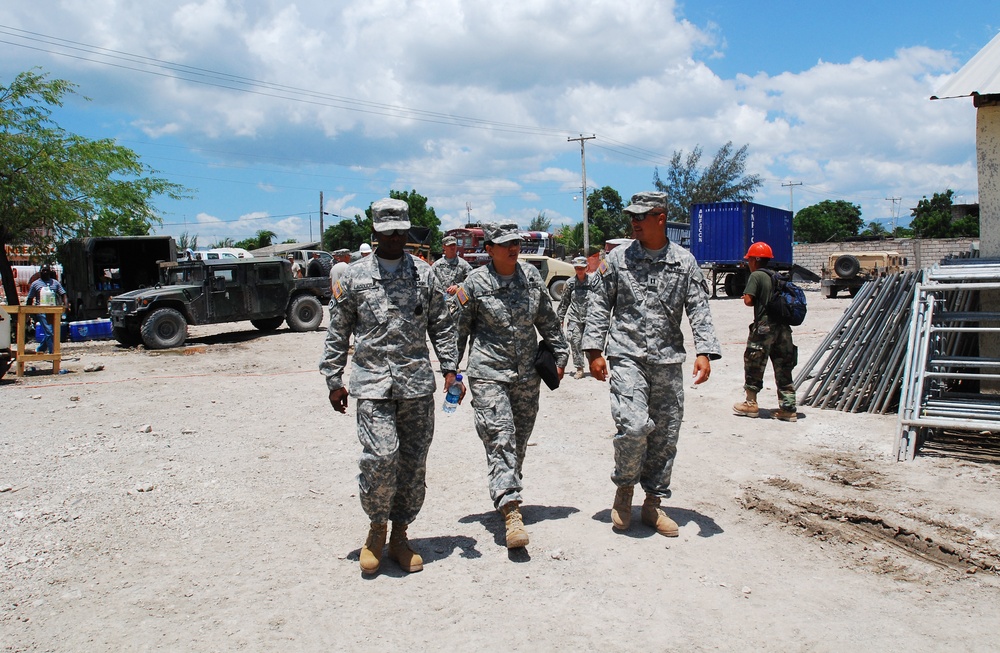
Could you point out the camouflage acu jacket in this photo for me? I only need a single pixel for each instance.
(636, 307)
(390, 316)
(502, 321)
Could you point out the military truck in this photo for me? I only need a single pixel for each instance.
(261, 290)
(849, 270)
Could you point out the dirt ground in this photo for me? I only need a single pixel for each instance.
(208, 502)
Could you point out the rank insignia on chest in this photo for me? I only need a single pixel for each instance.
(463, 297)
(338, 290)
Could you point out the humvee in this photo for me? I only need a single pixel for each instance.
(849, 270)
(261, 290)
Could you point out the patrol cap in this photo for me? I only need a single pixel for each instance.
(498, 234)
(341, 252)
(449, 240)
(389, 214)
(646, 202)
(580, 262)
(365, 248)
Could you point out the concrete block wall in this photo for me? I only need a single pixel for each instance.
(919, 252)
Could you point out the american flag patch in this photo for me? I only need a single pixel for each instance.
(338, 290)
(603, 267)
(463, 297)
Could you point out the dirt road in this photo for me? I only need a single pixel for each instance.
(208, 502)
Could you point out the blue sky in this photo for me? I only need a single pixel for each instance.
(260, 106)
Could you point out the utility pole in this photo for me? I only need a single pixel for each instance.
(468, 213)
(320, 222)
(791, 195)
(894, 200)
(583, 166)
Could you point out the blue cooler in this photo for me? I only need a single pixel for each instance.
(89, 330)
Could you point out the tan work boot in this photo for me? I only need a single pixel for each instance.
(400, 551)
(748, 408)
(621, 511)
(516, 535)
(653, 517)
(371, 552)
(579, 373)
(785, 415)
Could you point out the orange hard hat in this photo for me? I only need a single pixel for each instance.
(759, 250)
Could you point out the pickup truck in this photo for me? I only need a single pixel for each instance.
(261, 290)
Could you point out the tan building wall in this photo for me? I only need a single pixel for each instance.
(919, 252)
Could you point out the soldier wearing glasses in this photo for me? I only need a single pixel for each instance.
(634, 318)
(390, 304)
(504, 303)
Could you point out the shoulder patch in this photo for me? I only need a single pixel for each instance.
(338, 291)
(462, 296)
(603, 268)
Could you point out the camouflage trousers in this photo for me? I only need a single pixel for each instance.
(505, 416)
(647, 404)
(772, 341)
(395, 436)
(574, 335)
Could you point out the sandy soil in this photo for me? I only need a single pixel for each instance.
(208, 502)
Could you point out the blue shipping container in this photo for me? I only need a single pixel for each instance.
(722, 232)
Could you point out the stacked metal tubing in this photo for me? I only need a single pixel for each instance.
(859, 366)
(943, 354)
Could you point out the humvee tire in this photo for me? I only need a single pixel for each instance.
(305, 313)
(268, 324)
(164, 328)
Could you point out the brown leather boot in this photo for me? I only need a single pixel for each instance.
(371, 552)
(621, 511)
(653, 517)
(748, 408)
(400, 551)
(516, 535)
(579, 373)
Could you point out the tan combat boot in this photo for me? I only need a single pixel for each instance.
(400, 551)
(785, 415)
(749, 407)
(516, 535)
(371, 552)
(653, 517)
(579, 373)
(621, 511)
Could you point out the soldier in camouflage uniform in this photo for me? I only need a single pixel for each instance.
(503, 304)
(451, 270)
(634, 316)
(767, 339)
(390, 305)
(573, 303)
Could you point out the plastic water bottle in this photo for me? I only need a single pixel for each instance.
(452, 396)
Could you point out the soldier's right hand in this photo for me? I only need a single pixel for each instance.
(338, 399)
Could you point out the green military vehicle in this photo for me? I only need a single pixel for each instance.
(261, 290)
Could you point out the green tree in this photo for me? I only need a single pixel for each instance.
(875, 229)
(826, 221)
(185, 242)
(604, 211)
(421, 215)
(571, 237)
(349, 233)
(724, 180)
(935, 218)
(225, 242)
(540, 223)
(263, 238)
(55, 185)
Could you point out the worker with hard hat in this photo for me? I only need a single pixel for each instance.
(768, 339)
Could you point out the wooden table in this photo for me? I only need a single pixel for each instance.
(22, 313)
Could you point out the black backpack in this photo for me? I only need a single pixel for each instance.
(788, 302)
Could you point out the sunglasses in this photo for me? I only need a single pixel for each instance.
(508, 245)
(395, 232)
(639, 217)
